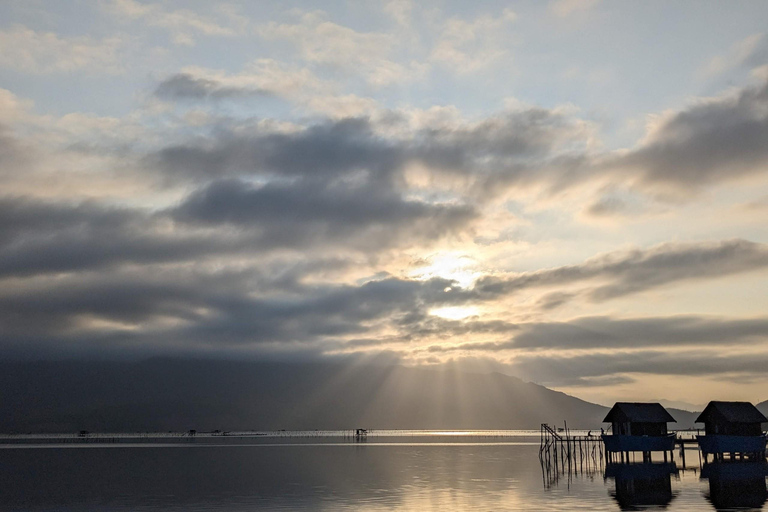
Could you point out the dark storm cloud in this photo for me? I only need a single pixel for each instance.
(640, 270)
(187, 86)
(714, 141)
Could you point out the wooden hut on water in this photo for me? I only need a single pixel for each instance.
(734, 428)
(638, 427)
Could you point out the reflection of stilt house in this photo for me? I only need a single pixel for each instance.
(638, 427)
(642, 485)
(732, 427)
(736, 486)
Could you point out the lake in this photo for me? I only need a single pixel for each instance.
(326, 471)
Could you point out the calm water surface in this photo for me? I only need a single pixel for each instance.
(411, 472)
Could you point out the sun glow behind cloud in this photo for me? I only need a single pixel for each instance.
(455, 312)
(452, 265)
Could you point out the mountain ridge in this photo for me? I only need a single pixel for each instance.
(162, 394)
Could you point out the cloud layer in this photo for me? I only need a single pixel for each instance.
(218, 181)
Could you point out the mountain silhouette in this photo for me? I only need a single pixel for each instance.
(164, 394)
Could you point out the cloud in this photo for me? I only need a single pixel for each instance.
(750, 52)
(305, 214)
(39, 237)
(585, 369)
(492, 155)
(183, 24)
(399, 10)
(322, 42)
(12, 152)
(186, 309)
(187, 86)
(12, 108)
(607, 207)
(641, 270)
(566, 8)
(266, 78)
(323, 151)
(606, 332)
(714, 141)
(24, 49)
(466, 46)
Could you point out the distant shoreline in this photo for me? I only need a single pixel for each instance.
(129, 437)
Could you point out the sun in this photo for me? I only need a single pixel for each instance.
(455, 312)
(452, 265)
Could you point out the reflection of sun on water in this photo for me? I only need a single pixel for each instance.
(454, 312)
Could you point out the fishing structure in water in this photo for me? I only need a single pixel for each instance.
(561, 453)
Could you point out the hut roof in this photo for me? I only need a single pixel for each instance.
(732, 412)
(637, 412)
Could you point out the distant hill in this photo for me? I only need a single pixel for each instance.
(684, 419)
(677, 404)
(177, 394)
(763, 408)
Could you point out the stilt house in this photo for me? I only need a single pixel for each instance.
(639, 419)
(638, 427)
(734, 428)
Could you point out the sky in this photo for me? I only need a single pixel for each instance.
(571, 192)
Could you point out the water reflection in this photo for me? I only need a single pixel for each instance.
(314, 474)
(737, 485)
(642, 486)
(322, 476)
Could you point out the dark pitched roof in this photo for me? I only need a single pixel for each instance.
(732, 412)
(639, 412)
